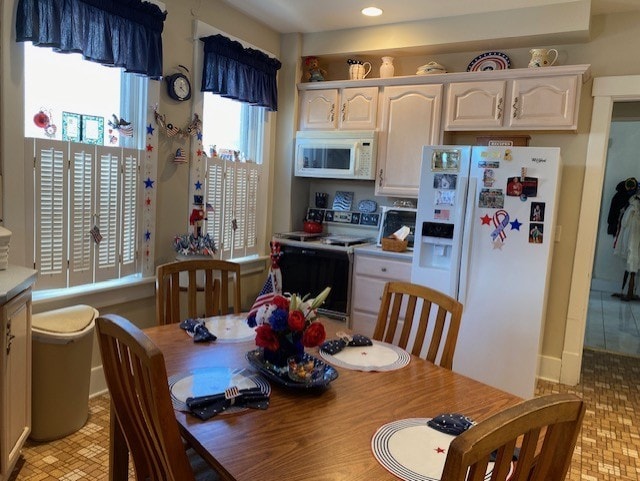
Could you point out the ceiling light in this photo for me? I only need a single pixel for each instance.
(372, 11)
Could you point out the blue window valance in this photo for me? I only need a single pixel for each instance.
(119, 33)
(243, 74)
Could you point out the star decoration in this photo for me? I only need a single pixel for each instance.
(148, 201)
(147, 253)
(150, 129)
(149, 147)
(439, 450)
(498, 244)
(147, 235)
(199, 135)
(148, 184)
(198, 185)
(198, 152)
(515, 225)
(485, 220)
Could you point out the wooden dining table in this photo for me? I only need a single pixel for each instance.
(321, 434)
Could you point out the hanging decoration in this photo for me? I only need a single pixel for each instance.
(42, 119)
(149, 196)
(125, 128)
(172, 130)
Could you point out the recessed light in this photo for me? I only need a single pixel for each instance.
(372, 11)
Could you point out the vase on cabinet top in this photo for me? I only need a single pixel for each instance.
(387, 68)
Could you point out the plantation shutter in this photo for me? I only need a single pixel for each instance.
(253, 177)
(226, 235)
(214, 199)
(244, 208)
(81, 216)
(129, 215)
(50, 213)
(107, 208)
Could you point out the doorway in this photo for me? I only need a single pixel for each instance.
(613, 315)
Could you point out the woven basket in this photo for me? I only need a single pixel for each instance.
(394, 245)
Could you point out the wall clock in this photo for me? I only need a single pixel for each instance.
(178, 86)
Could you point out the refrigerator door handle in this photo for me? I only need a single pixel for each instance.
(466, 240)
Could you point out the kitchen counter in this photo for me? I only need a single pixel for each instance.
(374, 250)
(14, 280)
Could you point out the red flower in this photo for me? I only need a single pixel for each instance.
(296, 321)
(267, 338)
(281, 302)
(314, 335)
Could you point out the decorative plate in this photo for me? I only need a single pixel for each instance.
(212, 380)
(489, 61)
(230, 328)
(378, 357)
(367, 206)
(413, 451)
(256, 360)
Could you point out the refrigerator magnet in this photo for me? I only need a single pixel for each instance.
(488, 164)
(500, 222)
(536, 233)
(488, 177)
(508, 155)
(444, 181)
(537, 212)
(445, 197)
(522, 187)
(491, 199)
(441, 214)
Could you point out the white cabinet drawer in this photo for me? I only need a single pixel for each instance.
(388, 269)
(367, 294)
(363, 322)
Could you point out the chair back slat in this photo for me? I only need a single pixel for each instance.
(136, 376)
(219, 276)
(545, 428)
(404, 302)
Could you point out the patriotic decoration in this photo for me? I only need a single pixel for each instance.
(172, 130)
(121, 125)
(272, 286)
(95, 234)
(180, 157)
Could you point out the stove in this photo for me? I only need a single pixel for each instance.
(320, 239)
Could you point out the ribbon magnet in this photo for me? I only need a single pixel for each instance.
(500, 221)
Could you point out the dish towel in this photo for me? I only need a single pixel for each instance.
(334, 346)
(196, 329)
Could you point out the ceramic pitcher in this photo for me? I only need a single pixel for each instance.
(540, 57)
(358, 71)
(386, 69)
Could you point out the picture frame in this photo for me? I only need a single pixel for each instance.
(92, 129)
(71, 126)
(445, 160)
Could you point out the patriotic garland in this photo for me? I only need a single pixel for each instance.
(171, 130)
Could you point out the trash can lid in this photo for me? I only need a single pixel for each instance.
(65, 320)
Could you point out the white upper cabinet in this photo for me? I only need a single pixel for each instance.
(475, 105)
(410, 120)
(345, 109)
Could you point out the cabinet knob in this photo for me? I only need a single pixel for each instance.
(383, 269)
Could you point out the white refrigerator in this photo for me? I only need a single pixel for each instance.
(485, 229)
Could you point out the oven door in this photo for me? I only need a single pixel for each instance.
(309, 271)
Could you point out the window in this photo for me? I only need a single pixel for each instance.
(85, 174)
(233, 135)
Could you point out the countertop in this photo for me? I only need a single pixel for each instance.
(14, 280)
(374, 250)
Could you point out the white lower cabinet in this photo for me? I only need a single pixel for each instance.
(372, 270)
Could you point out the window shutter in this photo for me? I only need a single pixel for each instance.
(251, 219)
(226, 234)
(81, 248)
(51, 170)
(239, 208)
(107, 206)
(215, 186)
(130, 212)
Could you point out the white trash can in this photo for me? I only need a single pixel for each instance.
(61, 371)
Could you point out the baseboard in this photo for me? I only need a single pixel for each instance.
(572, 363)
(549, 368)
(97, 385)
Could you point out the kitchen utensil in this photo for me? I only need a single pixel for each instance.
(359, 71)
(540, 57)
(431, 67)
(321, 200)
(312, 226)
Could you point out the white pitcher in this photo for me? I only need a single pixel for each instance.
(387, 69)
(358, 71)
(540, 57)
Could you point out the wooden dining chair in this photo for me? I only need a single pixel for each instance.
(545, 429)
(136, 376)
(218, 275)
(400, 303)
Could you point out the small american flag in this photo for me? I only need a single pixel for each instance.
(180, 157)
(95, 234)
(265, 297)
(126, 130)
(172, 130)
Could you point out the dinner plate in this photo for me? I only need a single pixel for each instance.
(380, 356)
(231, 328)
(256, 359)
(489, 61)
(413, 451)
(212, 380)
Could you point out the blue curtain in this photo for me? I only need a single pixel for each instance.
(119, 33)
(243, 74)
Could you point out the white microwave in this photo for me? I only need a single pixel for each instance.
(336, 154)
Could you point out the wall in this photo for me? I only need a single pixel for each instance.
(614, 40)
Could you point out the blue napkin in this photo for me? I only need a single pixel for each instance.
(450, 423)
(334, 346)
(196, 329)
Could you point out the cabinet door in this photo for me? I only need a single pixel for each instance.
(359, 107)
(410, 120)
(318, 109)
(16, 378)
(545, 103)
(475, 105)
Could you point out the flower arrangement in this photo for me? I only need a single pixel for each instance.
(188, 245)
(286, 325)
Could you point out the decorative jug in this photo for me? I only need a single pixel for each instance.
(358, 71)
(540, 57)
(387, 68)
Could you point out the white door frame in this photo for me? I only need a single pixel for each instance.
(606, 91)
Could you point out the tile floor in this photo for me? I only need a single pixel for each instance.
(613, 324)
(607, 450)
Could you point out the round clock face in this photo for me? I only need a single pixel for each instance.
(179, 87)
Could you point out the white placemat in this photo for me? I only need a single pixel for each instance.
(413, 451)
(212, 380)
(378, 357)
(232, 327)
